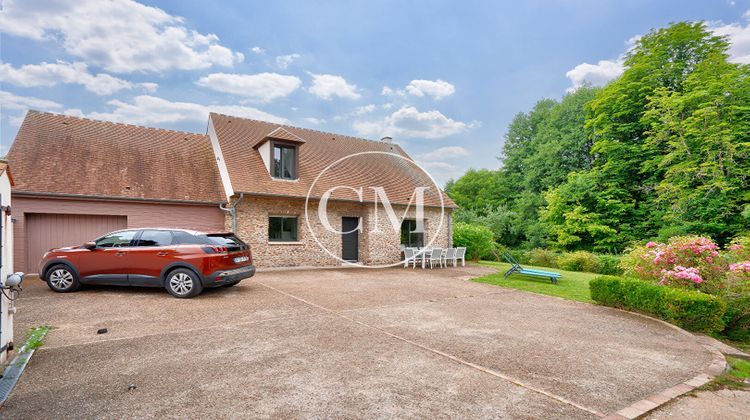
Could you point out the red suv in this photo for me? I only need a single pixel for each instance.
(182, 261)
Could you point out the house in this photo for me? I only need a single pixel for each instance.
(299, 197)
(7, 307)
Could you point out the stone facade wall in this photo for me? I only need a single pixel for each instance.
(379, 243)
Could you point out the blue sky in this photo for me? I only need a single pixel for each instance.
(442, 78)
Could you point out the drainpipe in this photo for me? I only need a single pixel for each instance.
(232, 210)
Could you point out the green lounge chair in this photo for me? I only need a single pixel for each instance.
(517, 269)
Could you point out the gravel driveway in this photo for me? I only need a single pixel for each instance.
(342, 343)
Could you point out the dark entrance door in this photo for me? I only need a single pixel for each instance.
(350, 239)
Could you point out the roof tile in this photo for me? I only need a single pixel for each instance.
(372, 164)
(60, 154)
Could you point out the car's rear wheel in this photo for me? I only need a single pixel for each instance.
(62, 279)
(183, 283)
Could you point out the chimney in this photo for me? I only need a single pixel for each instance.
(387, 139)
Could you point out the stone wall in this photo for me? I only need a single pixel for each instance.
(379, 243)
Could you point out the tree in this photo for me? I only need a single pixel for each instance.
(702, 134)
(623, 168)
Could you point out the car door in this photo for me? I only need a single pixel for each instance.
(153, 251)
(106, 263)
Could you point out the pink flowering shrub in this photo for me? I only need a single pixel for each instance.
(682, 276)
(739, 249)
(684, 261)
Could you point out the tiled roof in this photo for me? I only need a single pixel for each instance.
(65, 155)
(375, 164)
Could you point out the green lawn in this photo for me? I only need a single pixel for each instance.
(573, 285)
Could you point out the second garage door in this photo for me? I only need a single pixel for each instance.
(45, 231)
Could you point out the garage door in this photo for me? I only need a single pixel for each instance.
(45, 231)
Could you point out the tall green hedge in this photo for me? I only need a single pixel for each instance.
(694, 311)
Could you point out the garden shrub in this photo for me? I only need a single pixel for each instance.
(607, 290)
(691, 310)
(519, 255)
(687, 262)
(737, 317)
(477, 239)
(737, 297)
(579, 261)
(542, 257)
(609, 265)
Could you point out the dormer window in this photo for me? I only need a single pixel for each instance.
(283, 160)
(279, 150)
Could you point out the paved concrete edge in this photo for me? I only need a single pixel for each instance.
(639, 408)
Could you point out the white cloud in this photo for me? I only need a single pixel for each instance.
(121, 36)
(257, 50)
(358, 112)
(408, 122)
(283, 61)
(389, 91)
(326, 86)
(438, 89)
(738, 36)
(439, 166)
(262, 87)
(149, 87)
(444, 153)
(314, 121)
(15, 102)
(594, 74)
(50, 74)
(151, 110)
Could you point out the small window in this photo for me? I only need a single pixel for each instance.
(155, 238)
(409, 235)
(116, 240)
(282, 229)
(284, 161)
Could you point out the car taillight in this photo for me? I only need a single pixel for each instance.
(214, 249)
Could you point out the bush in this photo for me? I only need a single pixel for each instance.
(519, 255)
(477, 239)
(541, 257)
(687, 262)
(607, 290)
(737, 317)
(579, 261)
(737, 297)
(609, 265)
(691, 310)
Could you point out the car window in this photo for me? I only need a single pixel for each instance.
(225, 239)
(155, 238)
(116, 240)
(183, 238)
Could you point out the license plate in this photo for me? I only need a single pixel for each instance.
(238, 260)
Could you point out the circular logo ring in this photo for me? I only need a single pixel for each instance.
(358, 263)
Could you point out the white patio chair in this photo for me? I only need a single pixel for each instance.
(450, 255)
(424, 255)
(409, 256)
(461, 255)
(436, 256)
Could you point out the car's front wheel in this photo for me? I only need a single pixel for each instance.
(62, 279)
(183, 283)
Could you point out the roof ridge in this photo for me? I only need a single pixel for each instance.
(116, 123)
(299, 128)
